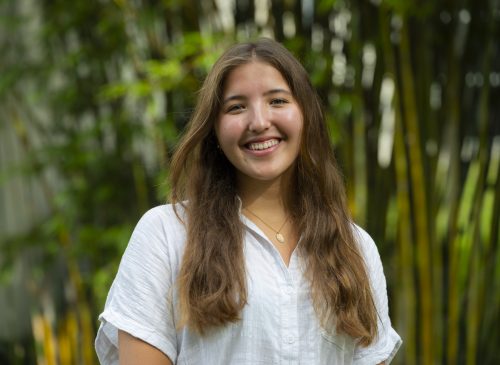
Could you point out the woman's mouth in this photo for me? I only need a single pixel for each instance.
(260, 146)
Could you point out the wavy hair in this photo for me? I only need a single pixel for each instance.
(212, 278)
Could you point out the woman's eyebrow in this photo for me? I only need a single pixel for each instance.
(276, 91)
(242, 97)
(233, 97)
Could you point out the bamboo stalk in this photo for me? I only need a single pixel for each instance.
(429, 126)
(450, 202)
(477, 280)
(419, 201)
(406, 251)
(466, 254)
(66, 356)
(359, 129)
(406, 297)
(44, 339)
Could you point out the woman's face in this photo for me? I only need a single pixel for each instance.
(260, 123)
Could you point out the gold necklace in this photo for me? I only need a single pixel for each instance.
(279, 236)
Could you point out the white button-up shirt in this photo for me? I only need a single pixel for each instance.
(278, 325)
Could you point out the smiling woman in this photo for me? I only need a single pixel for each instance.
(260, 123)
(256, 259)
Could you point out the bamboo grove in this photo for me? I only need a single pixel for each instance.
(93, 96)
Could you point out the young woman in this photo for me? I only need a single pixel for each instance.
(257, 260)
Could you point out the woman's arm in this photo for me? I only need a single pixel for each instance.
(133, 351)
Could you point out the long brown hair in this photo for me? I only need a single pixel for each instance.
(212, 280)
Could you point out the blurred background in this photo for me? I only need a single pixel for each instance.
(94, 94)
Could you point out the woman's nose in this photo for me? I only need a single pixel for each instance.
(259, 120)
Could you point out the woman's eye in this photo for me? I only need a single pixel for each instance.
(279, 101)
(235, 108)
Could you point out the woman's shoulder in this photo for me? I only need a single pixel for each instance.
(372, 259)
(162, 225)
(165, 216)
(165, 212)
(365, 242)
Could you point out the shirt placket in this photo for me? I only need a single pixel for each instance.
(288, 306)
(289, 280)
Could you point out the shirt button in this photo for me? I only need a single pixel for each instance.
(288, 290)
(290, 339)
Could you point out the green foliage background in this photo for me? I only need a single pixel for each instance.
(93, 97)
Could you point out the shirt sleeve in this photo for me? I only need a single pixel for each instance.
(140, 299)
(387, 342)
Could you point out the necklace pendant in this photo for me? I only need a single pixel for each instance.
(280, 238)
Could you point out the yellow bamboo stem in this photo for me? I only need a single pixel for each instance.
(420, 210)
(64, 343)
(405, 243)
(359, 132)
(450, 203)
(407, 299)
(470, 277)
(467, 259)
(479, 255)
(359, 152)
(44, 340)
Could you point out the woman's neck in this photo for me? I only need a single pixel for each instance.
(263, 198)
(265, 204)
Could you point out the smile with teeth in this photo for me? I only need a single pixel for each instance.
(259, 146)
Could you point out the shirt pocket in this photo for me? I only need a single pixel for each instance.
(335, 349)
(189, 356)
